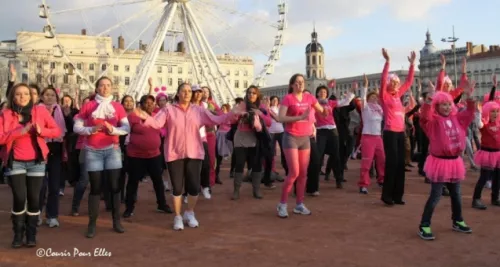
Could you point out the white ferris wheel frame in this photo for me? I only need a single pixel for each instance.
(205, 63)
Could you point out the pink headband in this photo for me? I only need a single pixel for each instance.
(393, 76)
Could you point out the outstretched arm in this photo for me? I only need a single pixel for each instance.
(411, 75)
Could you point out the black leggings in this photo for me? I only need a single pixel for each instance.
(248, 155)
(312, 184)
(185, 172)
(25, 188)
(328, 143)
(138, 168)
(52, 181)
(112, 179)
(485, 175)
(278, 138)
(394, 181)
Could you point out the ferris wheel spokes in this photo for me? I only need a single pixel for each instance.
(115, 3)
(148, 61)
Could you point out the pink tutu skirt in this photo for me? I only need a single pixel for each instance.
(487, 160)
(444, 170)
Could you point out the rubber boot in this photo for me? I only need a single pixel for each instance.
(256, 180)
(115, 205)
(18, 226)
(238, 179)
(31, 229)
(94, 201)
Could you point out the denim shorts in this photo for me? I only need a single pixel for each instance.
(30, 168)
(103, 159)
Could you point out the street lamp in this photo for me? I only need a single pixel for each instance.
(453, 40)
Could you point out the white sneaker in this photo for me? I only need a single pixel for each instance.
(61, 193)
(488, 184)
(53, 222)
(185, 199)
(178, 223)
(301, 209)
(190, 219)
(282, 211)
(206, 193)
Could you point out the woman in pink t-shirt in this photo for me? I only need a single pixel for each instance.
(294, 112)
(103, 120)
(394, 130)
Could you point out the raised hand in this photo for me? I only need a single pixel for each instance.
(386, 55)
(365, 78)
(419, 85)
(469, 87)
(13, 72)
(431, 91)
(412, 57)
(443, 61)
(238, 109)
(354, 87)
(150, 82)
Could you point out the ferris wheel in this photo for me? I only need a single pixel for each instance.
(208, 28)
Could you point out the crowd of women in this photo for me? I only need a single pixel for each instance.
(113, 146)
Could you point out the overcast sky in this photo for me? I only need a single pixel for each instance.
(352, 32)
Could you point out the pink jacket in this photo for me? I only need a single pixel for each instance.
(183, 138)
(446, 134)
(10, 130)
(394, 112)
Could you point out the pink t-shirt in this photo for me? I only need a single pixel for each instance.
(101, 139)
(297, 108)
(328, 120)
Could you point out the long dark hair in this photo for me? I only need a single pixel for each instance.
(72, 106)
(52, 89)
(12, 93)
(293, 79)
(249, 105)
(125, 97)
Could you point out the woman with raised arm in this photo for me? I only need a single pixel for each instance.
(23, 129)
(445, 84)
(102, 121)
(184, 150)
(394, 126)
(327, 135)
(446, 129)
(372, 145)
(294, 113)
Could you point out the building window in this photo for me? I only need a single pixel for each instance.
(314, 60)
(52, 79)
(25, 64)
(24, 78)
(169, 69)
(245, 84)
(92, 66)
(116, 80)
(39, 65)
(127, 68)
(308, 60)
(65, 66)
(52, 65)
(236, 84)
(179, 70)
(320, 74)
(159, 69)
(237, 73)
(78, 80)
(79, 66)
(66, 78)
(170, 81)
(39, 78)
(179, 81)
(314, 73)
(319, 59)
(116, 68)
(103, 67)
(92, 78)
(127, 81)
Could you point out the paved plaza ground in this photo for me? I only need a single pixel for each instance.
(346, 229)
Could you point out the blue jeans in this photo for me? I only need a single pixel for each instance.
(435, 195)
(25, 180)
(30, 168)
(103, 159)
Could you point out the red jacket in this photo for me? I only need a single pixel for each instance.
(10, 130)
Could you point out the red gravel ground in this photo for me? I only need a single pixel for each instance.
(345, 229)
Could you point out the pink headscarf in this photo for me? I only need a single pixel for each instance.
(393, 76)
(160, 95)
(487, 108)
